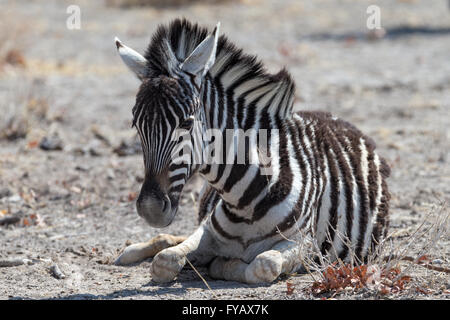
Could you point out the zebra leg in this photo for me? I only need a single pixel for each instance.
(140, 251)
(198, 248)
(283, 258)
(228, 269)
(265, 268)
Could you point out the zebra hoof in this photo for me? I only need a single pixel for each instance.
(265, 268)
(166, 265)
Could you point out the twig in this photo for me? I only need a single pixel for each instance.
(203, 279)
(14, 262)
(415, 260)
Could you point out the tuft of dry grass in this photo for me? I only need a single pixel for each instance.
(12, 38)
(389, 270)
(20, 106)
(26, 106)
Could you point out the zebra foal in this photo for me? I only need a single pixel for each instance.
(325, 179)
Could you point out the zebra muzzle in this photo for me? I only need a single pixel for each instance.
(157, 212)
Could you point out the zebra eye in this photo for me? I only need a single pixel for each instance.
(187, 123)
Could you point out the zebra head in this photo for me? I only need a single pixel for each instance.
(168, 108)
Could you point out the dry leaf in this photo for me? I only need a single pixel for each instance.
(32, 144)
(423, 259)
(25, 222)
(336, 279)
(289, 288)
(132, 196)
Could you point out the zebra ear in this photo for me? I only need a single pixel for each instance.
(136, 62)
(203, 57)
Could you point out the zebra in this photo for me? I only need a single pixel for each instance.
(327, 182)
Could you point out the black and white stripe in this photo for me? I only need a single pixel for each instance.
(326, 179)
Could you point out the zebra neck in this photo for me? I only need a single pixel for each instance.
(251, 103)
(229, 174)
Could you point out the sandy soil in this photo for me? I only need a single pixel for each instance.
(75, 206)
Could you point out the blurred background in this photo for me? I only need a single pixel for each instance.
(70, 164)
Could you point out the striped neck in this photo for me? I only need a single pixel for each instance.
(232, 114)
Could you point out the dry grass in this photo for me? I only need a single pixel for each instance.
(21, 103)
(390, 269)
(25, 106)
(12, 38)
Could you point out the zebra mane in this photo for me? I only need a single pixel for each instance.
(238, 73)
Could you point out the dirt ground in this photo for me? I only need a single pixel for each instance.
(70, 166)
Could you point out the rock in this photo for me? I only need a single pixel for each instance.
(93, 148)
(437, 261)
(5, 192)
(122, 142)
(9, 220)
(15, 198)
(110, 174)
(51, 143)
(58, 193)
(56, 272)
(128, 147)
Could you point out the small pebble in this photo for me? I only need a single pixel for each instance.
(4, 192)
(51, 143)
(15, 198)
(56, 272)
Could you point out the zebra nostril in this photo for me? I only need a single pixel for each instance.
(166, 203)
